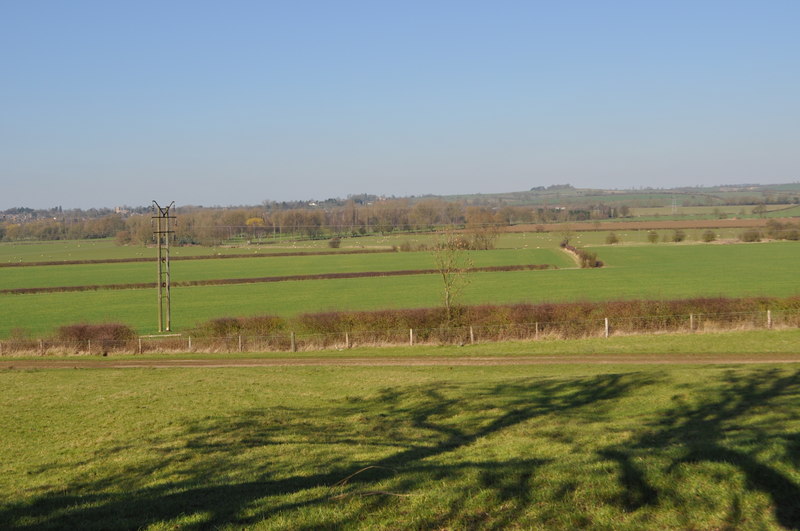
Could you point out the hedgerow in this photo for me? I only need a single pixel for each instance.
(587, 259)
(95, 332)
(496, 322)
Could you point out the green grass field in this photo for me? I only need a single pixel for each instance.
(541, 446)
(661, 271)
(138, 272)
(545, 447)
(105, 249)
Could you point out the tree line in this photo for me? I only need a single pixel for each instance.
(211, 226)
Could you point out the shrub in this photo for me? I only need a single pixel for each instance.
(782, 231)
(652, 236)
(262, 325)
(678, 236)
(709, 236)
(612, 238)
(751, 235)
(221, 327)
(587, 259)
(335, 242)
(96, 332)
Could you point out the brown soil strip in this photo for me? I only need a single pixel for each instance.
(286, 278)
(645, 225)
(198, 257)
(619, 359)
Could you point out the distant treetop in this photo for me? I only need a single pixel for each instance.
(552, 187)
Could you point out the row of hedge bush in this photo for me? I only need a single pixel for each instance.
(566, 319)
(482, 323)
(587, 259)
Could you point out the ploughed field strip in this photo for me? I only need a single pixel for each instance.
(590, 226)
(284, 278)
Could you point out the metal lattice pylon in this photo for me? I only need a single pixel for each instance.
(163, 234)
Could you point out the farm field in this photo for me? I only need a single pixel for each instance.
(193, 270)
(107, 249)
(545, 446)
(661, 271)
(712, 212)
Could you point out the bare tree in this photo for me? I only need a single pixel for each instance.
(452, 264)
(482, 227)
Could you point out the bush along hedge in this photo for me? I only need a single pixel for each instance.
(587, 259)
(96, 332)
(499, 322)
(782, 231)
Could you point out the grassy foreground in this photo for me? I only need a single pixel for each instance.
(561, 446)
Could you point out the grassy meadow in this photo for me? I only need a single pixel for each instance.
(634, 269)
(138, 272)
(105, 249)
(648, 439)
(543, 447)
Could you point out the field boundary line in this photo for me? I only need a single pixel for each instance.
(284, 278)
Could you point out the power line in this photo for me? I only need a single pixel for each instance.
(163, 234)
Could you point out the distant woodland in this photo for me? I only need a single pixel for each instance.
(368, 214)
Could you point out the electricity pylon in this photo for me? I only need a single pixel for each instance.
(163, 235)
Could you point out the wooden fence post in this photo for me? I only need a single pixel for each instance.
(190, 343)
(294, 343)
(769, 319)
(537, 331)
(140, 345)
(411, 337)
(471, 336)
(346, 340)
(240, 342)
(691, 322)
(606, 321)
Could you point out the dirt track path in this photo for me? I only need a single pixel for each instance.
(416, 361)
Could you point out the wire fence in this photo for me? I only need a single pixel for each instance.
(289, 341)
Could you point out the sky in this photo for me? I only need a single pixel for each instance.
(109, 103)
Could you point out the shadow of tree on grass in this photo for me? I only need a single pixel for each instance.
(734, 425)
(414, 433)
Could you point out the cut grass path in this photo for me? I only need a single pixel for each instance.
(753, 346)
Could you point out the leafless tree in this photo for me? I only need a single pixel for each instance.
(452, 263)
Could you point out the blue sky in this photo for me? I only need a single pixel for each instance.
(236, 102)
